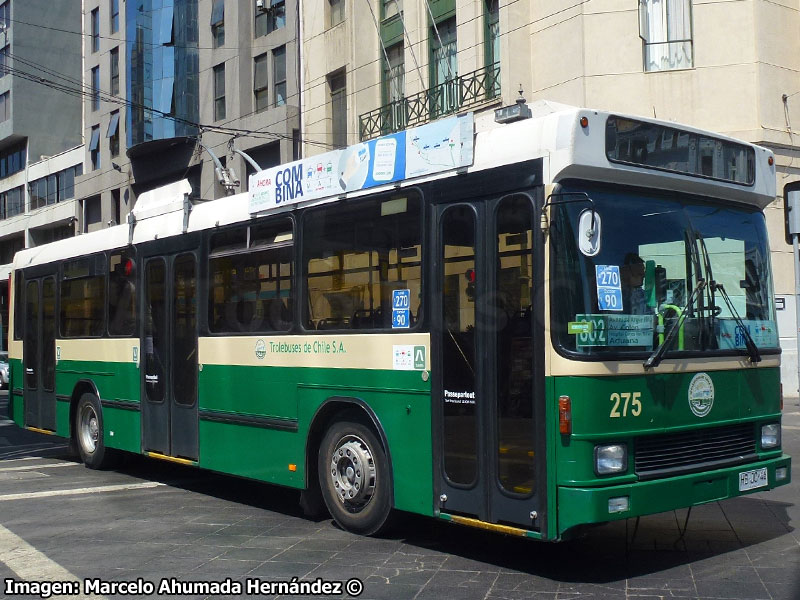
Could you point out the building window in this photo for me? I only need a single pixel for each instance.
(66, 182)
(95, 88)
(492, 33)
(113, 134)
(5, 14)
(114, 15)
(53, 188)
(394, 74)
(116, 206)
(492, 46)
(219, 92)
(391, 8)
(94, 148)
(95, 29)
(279, 75)
(218, 23)
(665, 27)
(114, 60)
(4, 60)
(336, 12)
(338, 87)
(92, 213)
(270, 19)
(261, 81)
(444, 67)
(11, 204)
(5, 107)
(13, 159)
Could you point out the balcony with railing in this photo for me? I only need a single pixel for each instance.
(447, 98)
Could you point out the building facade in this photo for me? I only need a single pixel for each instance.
(40, 127)
(179, 88)
(731, 66)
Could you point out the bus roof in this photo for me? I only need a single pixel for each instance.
(554, 133)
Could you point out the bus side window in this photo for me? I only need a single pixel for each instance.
(356, 257)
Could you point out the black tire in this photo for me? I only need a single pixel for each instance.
(355, 478)
(89, 433)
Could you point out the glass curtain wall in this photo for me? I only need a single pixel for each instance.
(162, 52)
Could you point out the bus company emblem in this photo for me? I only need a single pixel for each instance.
(701, 394)
(261, 349)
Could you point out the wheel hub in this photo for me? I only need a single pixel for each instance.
(89, 430)
(352, 472)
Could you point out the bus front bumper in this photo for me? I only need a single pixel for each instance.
(580, 506)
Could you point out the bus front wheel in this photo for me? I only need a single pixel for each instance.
(355, 479)
(89, 433)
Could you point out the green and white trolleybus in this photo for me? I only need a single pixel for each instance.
(526, 327)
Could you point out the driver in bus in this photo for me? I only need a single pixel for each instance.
(634, 301)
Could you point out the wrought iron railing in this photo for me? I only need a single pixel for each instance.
(447, 98)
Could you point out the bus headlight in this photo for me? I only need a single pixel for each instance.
(610, 458)
(770, 436)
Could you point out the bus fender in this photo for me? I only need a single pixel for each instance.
(324, 415)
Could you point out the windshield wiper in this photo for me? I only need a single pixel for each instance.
(749, 342)
(658, 355)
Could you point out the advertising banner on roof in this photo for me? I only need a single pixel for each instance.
(432, 148)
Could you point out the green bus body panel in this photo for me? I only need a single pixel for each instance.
(122, 428)
(578, 496)
(16, 407)
(751, 395)
(114, 382)
(400, 401)
(577, 506)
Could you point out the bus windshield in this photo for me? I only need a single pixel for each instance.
(670, 269)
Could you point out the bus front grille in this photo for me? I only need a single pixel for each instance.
(691, 451)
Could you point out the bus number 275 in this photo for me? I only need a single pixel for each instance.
(628, 402)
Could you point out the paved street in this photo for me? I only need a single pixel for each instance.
(157, 521)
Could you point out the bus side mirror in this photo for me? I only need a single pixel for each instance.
(589, 227)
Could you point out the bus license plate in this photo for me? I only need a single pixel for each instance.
(750, 480)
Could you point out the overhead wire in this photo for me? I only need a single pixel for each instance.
(86, 91)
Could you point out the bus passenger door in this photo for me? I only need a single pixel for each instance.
(39, 353)
(488, 386)
(169, 355)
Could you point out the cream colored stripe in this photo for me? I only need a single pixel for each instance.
(14, 347)
(30, 565)
(359, 351)
(560, 366)
(102, 350)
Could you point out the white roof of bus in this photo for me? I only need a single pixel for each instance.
(553, 134)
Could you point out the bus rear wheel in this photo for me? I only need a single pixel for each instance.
(355, 479)
(89, 433)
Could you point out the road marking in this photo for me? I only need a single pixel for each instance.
(29, 564)
(790, 427)
(36, 467)
(82, 491)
